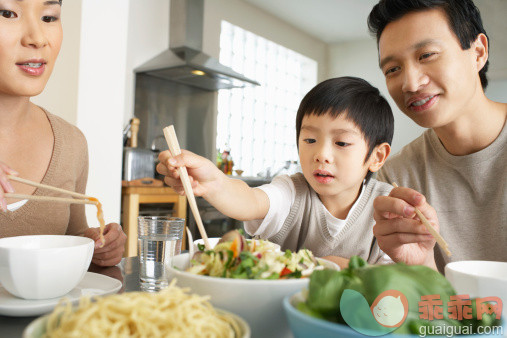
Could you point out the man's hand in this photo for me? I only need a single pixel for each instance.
(398, 230)
(343, 263)
(112, 252)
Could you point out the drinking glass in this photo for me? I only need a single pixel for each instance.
(159, 240)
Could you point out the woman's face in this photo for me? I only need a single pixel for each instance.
(30, 39)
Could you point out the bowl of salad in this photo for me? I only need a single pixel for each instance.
(380, 300)
(248, 278)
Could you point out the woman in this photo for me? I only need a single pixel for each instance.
(35, 144)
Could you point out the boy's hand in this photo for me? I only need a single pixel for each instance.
(398, 230)
(203, 174)
(5, 185)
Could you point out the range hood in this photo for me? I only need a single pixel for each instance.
(184, 62)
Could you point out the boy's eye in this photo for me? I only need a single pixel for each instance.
(8, 14)
(49, 18)
(309, 140)
(342, 144)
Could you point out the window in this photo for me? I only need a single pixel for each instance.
(258, 123)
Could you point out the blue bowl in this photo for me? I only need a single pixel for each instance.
(305, 326)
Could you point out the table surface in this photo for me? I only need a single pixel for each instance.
(127, 272)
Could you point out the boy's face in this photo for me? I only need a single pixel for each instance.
(332, 152)
(30, 39)
(431, 79)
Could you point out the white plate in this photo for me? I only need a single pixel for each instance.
(92, 284)
(37, 328)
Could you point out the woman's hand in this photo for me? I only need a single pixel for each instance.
(399, 232)
(112, 252)
(5, 185)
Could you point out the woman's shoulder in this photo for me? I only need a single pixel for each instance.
(68, 131)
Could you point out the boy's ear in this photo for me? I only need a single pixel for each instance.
(481, 50)
(379, 156)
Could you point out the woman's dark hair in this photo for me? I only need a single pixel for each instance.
(359, 101)
(464, 19)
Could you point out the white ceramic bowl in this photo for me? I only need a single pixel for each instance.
(479, 279)
(43, 266)
(259, 302)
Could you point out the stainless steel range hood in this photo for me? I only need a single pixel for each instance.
(184, 62)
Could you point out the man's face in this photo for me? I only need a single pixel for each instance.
(431, 79)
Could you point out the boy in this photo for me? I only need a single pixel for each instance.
(434, 54)
(344, 129)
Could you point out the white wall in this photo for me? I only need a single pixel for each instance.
(148, 35)
(497, 90)
(360, 59)
(101, 102)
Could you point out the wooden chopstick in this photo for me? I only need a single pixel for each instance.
(174, 147)
(50, 199)
(440, 240)
(44, 186)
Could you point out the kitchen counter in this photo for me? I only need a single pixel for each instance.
(252, 181)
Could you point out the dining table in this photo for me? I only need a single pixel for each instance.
(127, 272)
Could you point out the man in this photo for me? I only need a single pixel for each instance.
(434, 55)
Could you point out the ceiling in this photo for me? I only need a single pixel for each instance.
(336, 21)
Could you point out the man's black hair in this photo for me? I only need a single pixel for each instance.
(463, 16)
(359, 101)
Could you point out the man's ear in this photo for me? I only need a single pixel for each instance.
(480, 46)
(379, 156)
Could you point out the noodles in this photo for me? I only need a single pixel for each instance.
(100, 218)
(171, 312)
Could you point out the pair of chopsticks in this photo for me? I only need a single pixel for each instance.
(440, 240)
(174, 148)
(83, 199)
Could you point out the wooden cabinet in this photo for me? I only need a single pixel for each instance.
(133, 197)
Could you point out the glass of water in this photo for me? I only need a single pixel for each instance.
(159, 239)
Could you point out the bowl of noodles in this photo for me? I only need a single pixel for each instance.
(249, 279)
(43, 266)
(173, 312)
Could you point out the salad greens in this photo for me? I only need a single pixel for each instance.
(326, 288)
(236, 257)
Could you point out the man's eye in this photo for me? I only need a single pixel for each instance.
(342, 144)
(49, 18)
(8, 14)
(391, 70)
(426, 55)
(309, 140)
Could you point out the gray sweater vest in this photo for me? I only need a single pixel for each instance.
(306, 225)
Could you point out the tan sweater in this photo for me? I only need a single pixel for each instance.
(68, 169)
(468, 192)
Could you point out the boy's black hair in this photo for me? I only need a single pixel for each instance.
(463, 16)
(359, 101)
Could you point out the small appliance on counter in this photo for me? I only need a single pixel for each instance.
(138, 163)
